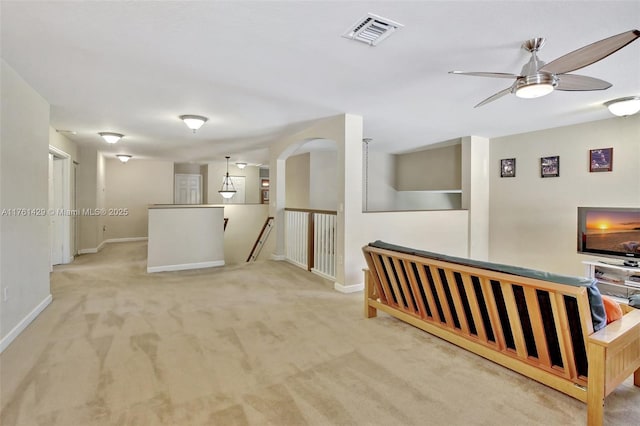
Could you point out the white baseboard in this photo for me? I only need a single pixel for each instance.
(182, 267)
(126, 240)
(15, 332)
(353, 288)
(111, 240)
(278, 257)
(322, 274)
(88, 251)
(92, 250)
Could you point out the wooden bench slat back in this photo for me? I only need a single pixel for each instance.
(454, 297)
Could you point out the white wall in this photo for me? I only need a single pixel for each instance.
(436, 168)
(323, 180)
(185, 238)
(381, 191)
(133, 186)
(24, 239)
(244, 226)
(187, 169)
(90, 230)
(439, 231)
(312, 181)
(426, 200)
(297, 181)
(62, 143)
(533, 220)
(346, 131)
(383, 175)
(476, 193)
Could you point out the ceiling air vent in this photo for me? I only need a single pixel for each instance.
(371, 29)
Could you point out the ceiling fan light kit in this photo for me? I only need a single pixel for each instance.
(538, 78)
(535, 86)
(623, 107)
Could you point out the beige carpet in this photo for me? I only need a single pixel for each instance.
(263, 343)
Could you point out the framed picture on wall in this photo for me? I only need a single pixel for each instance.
(550, 166)
(508, 167)
(601, 160)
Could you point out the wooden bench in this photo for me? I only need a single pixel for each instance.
(539, 328)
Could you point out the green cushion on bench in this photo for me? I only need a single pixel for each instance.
(598, 315)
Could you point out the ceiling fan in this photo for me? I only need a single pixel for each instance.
(538, 79)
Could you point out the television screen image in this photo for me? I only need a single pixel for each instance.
(614, 231)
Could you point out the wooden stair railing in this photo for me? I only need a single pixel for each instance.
(262, 238)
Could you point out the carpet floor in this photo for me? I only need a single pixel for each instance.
(264, 343)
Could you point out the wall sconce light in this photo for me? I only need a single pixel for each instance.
(194, 122)
(228, 190)
(123, 157)
(111, 137)
(624, 106)
(241, 165)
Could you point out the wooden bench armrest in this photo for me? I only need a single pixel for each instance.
(613, 356)
(626, 327)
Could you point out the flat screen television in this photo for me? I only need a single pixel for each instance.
(611, 232)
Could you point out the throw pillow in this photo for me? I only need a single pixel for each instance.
(612, 309)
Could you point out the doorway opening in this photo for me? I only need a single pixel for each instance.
(61, 211)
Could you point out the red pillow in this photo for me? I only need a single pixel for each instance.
(612, 309)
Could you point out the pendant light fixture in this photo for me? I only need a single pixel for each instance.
(111, 137)
(228, 190)
(194, 122)
(123, 157)
(241, 165)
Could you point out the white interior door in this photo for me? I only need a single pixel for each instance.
(60, 197)
(188, 189)
(56, 205)
(74, 205)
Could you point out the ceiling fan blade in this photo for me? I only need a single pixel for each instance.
(486, 74)
(495, 96)
(591, 53)
(574, 82)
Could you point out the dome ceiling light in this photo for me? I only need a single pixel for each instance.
(623, 107)
(194, 122)
(111, 137)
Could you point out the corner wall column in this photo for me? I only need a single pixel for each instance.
(475, 193)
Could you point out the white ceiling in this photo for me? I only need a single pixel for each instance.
(262, 69)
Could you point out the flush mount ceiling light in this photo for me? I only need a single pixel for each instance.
(194, 122)
(123, 157)
(624, 106)
(241, 165)
(111, 137)
(228, 190)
